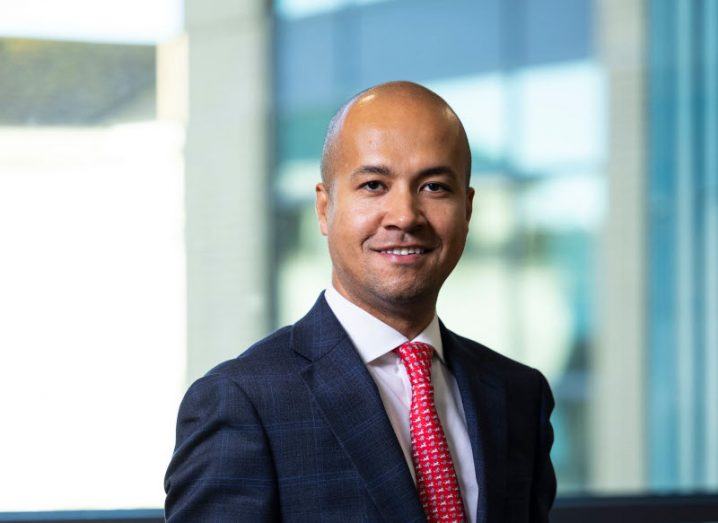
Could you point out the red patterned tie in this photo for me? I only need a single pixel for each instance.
(435, 475)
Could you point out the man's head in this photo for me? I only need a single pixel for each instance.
(394, 200)
(406, 89)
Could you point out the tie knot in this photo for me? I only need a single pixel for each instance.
(416, 357)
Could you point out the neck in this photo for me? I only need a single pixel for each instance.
(408, 320)
(409, 327)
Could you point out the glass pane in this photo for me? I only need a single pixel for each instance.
(92, 277)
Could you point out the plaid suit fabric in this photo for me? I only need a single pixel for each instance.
(294, 430)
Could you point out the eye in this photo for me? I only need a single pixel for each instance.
(436, 187)
(372, 185)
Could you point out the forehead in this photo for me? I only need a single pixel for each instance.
(400, 127)
(399, 111)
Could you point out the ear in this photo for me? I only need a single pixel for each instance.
(322, 206)
(469, 203)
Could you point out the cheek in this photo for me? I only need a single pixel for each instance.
(352, 225)
(446, 217)
(452, 227)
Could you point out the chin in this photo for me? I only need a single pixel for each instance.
(405, 294)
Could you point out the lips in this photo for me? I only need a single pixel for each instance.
(403, 250)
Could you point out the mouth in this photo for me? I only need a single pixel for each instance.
(407, 255)
(404, 251)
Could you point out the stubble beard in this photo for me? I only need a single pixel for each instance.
(409, 293)
(382, 295)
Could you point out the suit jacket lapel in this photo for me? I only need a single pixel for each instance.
(350, 401)
(484, 400)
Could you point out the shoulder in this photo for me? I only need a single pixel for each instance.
(270, 357)
(516, 376)
(284, 352)
(250, 384)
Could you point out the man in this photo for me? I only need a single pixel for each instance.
(368, 408)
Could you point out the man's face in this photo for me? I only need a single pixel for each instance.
(396, 215)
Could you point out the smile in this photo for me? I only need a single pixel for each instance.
(404, 252)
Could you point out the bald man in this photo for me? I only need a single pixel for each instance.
(369, 408)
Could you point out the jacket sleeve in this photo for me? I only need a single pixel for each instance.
(543, 490)
(221, 469)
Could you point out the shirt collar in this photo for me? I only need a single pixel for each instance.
(372, 337)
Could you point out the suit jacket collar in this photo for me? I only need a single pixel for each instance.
(371, 337)
(350, 402)
(483, 395)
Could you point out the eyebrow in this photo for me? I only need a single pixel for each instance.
(439, 169)
(372, 169)
(385, 171)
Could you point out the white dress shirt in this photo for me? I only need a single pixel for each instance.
(375, 342)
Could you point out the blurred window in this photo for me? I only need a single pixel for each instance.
(92, 348)
(683, 246)
(530, 82)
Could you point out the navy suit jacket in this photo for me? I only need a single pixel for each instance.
(294, 429)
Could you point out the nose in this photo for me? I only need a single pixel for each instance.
(403, 210)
